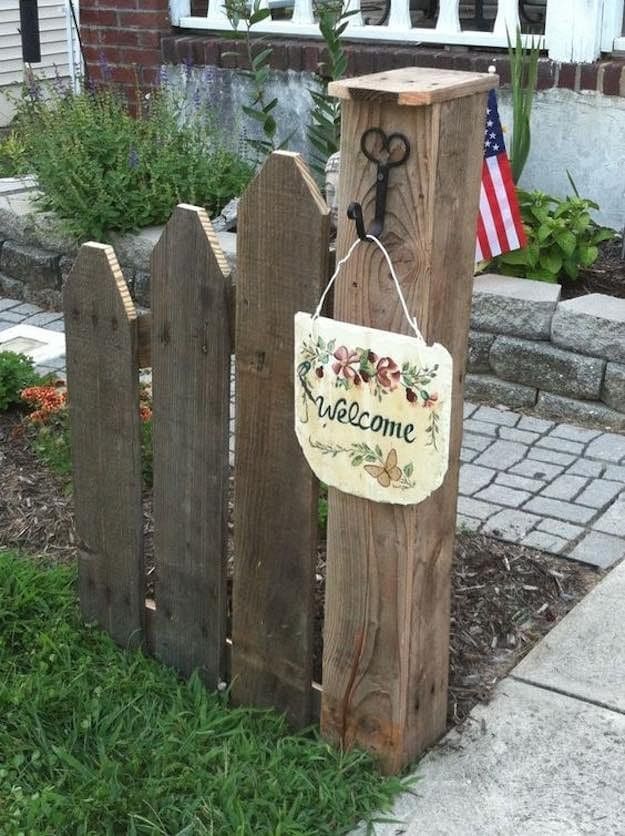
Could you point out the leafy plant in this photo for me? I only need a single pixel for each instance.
(523, 75)
(13, 161)
(96, 739)
(259, 59)
(324, 131)
(561, 238)
(16, 373)
(100, 169)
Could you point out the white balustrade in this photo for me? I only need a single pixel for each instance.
(399, 17)
(507, 20)
(575, 30)
(216, 15)
(354, 19)
(303, 12)
(448, 17)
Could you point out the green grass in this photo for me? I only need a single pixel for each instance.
(97, 740)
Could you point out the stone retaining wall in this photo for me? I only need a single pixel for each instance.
(565, 360)
(36, 256)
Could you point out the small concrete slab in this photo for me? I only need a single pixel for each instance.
(584, 655)
(593, 324)
(532, 762)
(40, 344)
(520, 307)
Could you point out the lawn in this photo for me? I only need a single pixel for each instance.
(97, 740)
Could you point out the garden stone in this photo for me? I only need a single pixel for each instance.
(468, 524)
(550, 442)
(226, 221)
(5, 304)
(560, 529)
(599, 549)
(593, 413)
(44, 318)
(502, 417)
(511, 524)
(608, 447)
(476, 442)
(613, 521)
(560, 510)
(520, 307)
(545, 542)
(501, 455)
(551, 456)
(546, 367)
(536, 469)
(512, 434)
(468, 409)
(467, 455)
(479, 348)
(40, 268)
(474, 508)
(480, 427)
(522, 483)
(565, 487)
(599, 493)
(613, 392)
(473, 478)
(593, 324)
(141, 288)
(571, 433)
(482, 387)
(535, 425)
(614, 473)
(503, 496)
(582, 467)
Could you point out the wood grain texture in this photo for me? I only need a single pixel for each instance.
(191, 388)
(281, 266)
(103, 384)
(413, 86)
(386, 639)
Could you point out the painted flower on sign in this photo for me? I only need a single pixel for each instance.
(388, 373)
(345, 362)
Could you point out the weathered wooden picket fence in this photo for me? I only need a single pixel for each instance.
(386, 635)
(188, 340)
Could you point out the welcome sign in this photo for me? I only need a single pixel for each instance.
(372, 409)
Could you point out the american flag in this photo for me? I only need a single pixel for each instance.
(499, 227)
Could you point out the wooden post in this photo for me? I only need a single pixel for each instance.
(103, 384)
(191, 390)
(386, 642)
(281, 267)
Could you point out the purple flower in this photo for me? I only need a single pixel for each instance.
(187, 66)
(197, 98)
(107, 73)
(133, 159)
(163, 76)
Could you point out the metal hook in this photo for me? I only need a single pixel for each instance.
(384, 164)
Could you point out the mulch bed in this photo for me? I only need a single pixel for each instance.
(607, 274)
(505, 597)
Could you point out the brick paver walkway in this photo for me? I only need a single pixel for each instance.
(555, 487)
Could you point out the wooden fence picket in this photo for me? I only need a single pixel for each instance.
(281, 265)
(103, 384)
(191, 388)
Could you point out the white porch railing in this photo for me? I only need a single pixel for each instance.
(575, 30)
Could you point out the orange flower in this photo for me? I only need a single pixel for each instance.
(145, 412)
(46, 400)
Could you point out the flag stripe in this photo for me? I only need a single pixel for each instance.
(492, 244)
(499, 226)
(494, 198)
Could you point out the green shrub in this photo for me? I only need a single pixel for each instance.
(101, 170)
(12, 156)
(16, 373)
(561, 238)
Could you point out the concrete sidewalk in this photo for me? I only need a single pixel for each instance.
(547, 755)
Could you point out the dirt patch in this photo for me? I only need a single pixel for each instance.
(607, 274)
(504, 597)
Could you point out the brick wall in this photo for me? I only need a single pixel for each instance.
(607, 77)
(122, 40)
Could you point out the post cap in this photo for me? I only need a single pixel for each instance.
(413, 85)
